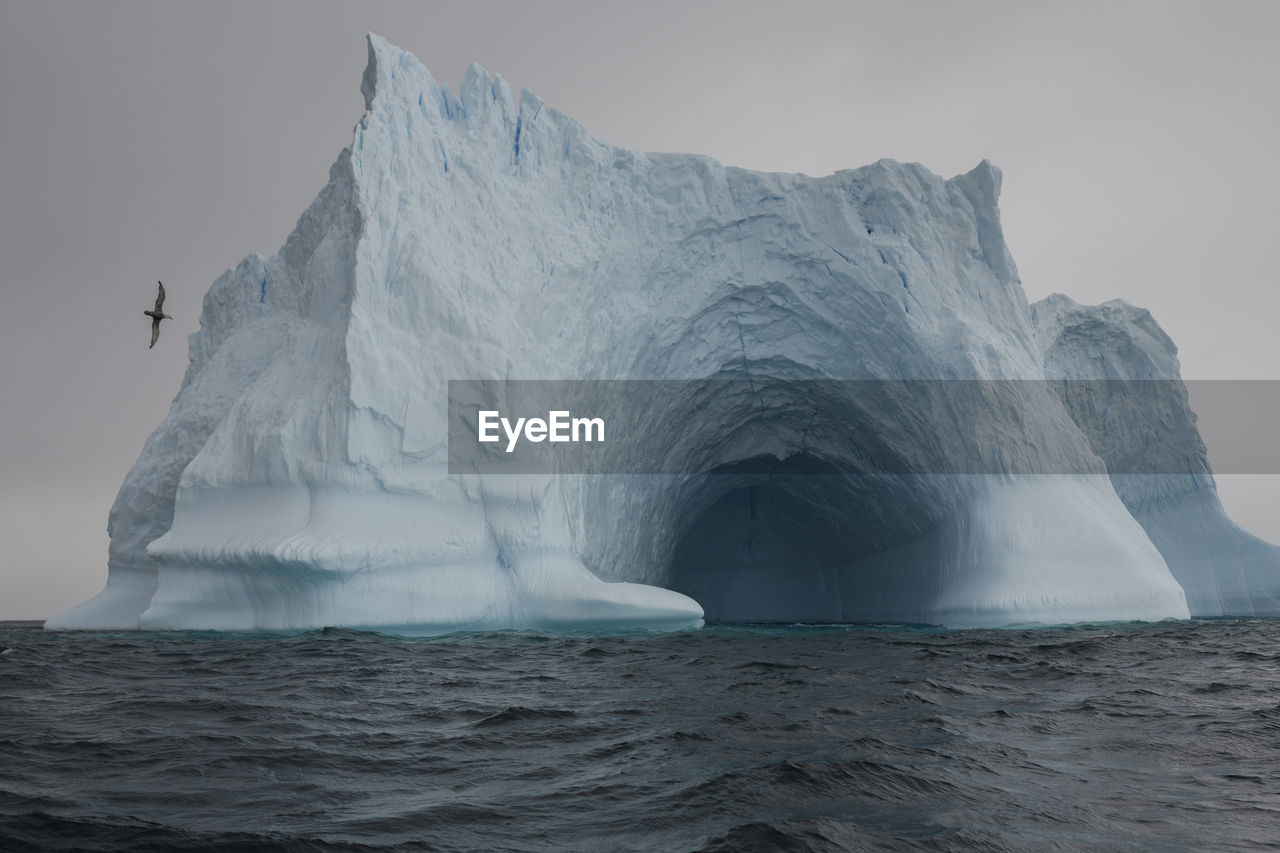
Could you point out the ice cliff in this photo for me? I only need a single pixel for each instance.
(1224, 570)
(301, 476)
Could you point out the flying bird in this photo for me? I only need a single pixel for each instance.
(157, 315)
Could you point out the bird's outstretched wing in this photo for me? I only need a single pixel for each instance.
(155, 329)
(160, 300)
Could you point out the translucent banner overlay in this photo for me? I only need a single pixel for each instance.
(864, 427)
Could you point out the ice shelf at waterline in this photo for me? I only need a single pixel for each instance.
(300, 478)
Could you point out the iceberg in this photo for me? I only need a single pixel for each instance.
(302, 476)
(1224, 570)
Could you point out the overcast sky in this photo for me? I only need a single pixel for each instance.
(163, 140)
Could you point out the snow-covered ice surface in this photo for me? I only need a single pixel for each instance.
(301, 477)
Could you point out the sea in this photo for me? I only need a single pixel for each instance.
(1143, 737)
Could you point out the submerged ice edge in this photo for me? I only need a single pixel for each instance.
(301, 477)
(441, 634)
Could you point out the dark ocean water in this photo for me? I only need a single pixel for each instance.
(1115, 737)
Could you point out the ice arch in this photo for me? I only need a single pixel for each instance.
(301, 479)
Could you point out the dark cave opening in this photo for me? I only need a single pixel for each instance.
(759, 554)
(771, 541)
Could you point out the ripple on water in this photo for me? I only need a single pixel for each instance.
(1132, 737)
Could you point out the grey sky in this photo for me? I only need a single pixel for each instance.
(160, 140)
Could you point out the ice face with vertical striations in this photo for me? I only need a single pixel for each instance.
(1224, 570)
(301, 478)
